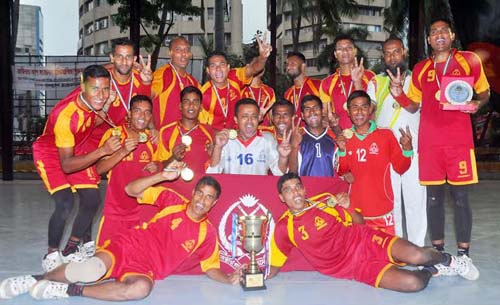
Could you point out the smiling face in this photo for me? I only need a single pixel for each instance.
(293, 194)
(247, 120)
(123, 59)
(312, 114)
(440, 36)
(282, 118)
(140, 115)
(360, 110)
(190, 106)
(96, 91)
(218, 69)
(204, 198)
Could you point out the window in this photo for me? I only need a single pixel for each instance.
(89, 29)
(210, 13)
(101, 24)
(227, 38)
(102, 48)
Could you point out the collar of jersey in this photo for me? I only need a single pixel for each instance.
(373, 126)
(249, 141)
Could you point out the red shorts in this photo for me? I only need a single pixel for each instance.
(455, 165)
(383, 223)
(109, 227)
(127, 261)
(49, 168)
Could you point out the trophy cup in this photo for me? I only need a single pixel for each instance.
(253, 229)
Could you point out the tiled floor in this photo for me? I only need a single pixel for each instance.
(26, 207)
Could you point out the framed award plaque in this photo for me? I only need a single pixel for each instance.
(456, 92)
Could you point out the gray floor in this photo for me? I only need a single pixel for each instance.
(26, 207)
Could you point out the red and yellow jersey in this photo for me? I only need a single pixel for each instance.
(196, 157)
(263, 95)
(218, 103)
(294, 94)
(117, 204)
(369, 159)
(166, 92)
(440, 127)
(169, 238)
(272, 130)
(335, 90)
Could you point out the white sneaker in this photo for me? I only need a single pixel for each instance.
(14, 286)
(87, 249)
(46, 290)
(464, 267)
(51, 261)
(75, 257)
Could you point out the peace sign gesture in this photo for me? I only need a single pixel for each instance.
(296, 134)
(405, 139)
(357, 71)
(144, 69)
(396, 85)
(264, 47)
(264, 108)
(285, 148)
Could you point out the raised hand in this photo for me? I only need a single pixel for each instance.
(130, 144)
(221, 138)
(111, 145)
(285, 148)
(264, 108)
(144, 69)
(179, 152)
(396, 85)
(296, 134)
(264, 47)
(405, 139)
(357, 71)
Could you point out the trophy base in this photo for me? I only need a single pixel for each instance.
(465, 107)
(253, 281)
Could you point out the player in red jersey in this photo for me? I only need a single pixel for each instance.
(446, 147)
(302, 84)
(168, 82)
(175, 137)
(225, 86)
(139, 256)
(282, 115)
(350, 76)
(262, 94)
(65, 164)
(337, 247)
(369, 155)
(133, 160)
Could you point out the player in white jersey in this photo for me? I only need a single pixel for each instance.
(248, 151)
(390, 114)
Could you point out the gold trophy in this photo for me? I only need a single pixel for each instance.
(253, 229)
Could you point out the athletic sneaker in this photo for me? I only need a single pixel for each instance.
(14, 286)
(75, 257)
(464, 267)
(87, 249)
(51, 261)
(441, 270)
(46, 290)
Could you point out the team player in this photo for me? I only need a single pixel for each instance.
(173, 145)
(168, 82)
(337, 247)
(262, 94)
(250, 152)
(369, 155)
(139, 256)
(350, 76)
(225, 86)
(390, 114)
(446, 147)
(133, 160)
(66, 166)
(282, 115)
(302, 84)
(313, 147)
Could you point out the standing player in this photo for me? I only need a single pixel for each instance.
(350, 76)
(224, 88)
(168, 82)
(369, 155)
(446, 147)
(250, 152)
(313, 147)
(132, 161)
(302, 84)
(139, 256)
(390, 114)
(187, 140)
(66, 166)
(262, 94)
(337, 247)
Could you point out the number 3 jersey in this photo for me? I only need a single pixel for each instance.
(369, 159)
(256, 156)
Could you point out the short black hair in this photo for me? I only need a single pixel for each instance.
(173, 40)
(283, 102)
(308, 98)
(95, 71)
(285, 178)
(122, 42)
(210, 181)
(296, 54)
(342, 36)
(244, 101)
(442, 19)
(140, 98)
(191, 89)
(216, 53)
(356, 94)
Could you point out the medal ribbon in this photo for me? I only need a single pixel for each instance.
(127, 105)
(222, 106)
(106, 119)
(343, 87)
(444, 70)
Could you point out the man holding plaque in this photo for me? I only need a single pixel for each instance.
(338, 247)
(446, 147)
(390, 114)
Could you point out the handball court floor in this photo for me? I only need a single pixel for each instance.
(26, 208)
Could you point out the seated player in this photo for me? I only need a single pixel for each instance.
(139, 256)
(337, 247)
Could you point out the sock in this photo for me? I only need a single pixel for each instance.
(439, 247)
(74, 290)
(71, 247)
(462, 251)
(38, 277)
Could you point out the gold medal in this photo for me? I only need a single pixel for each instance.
(345, 106)
(116, 132)
(438, 95)
(187, 174)
(396, 105)
(143, 137)
(232, 134)
(348, 133)
(331, 202)
(186, 140)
